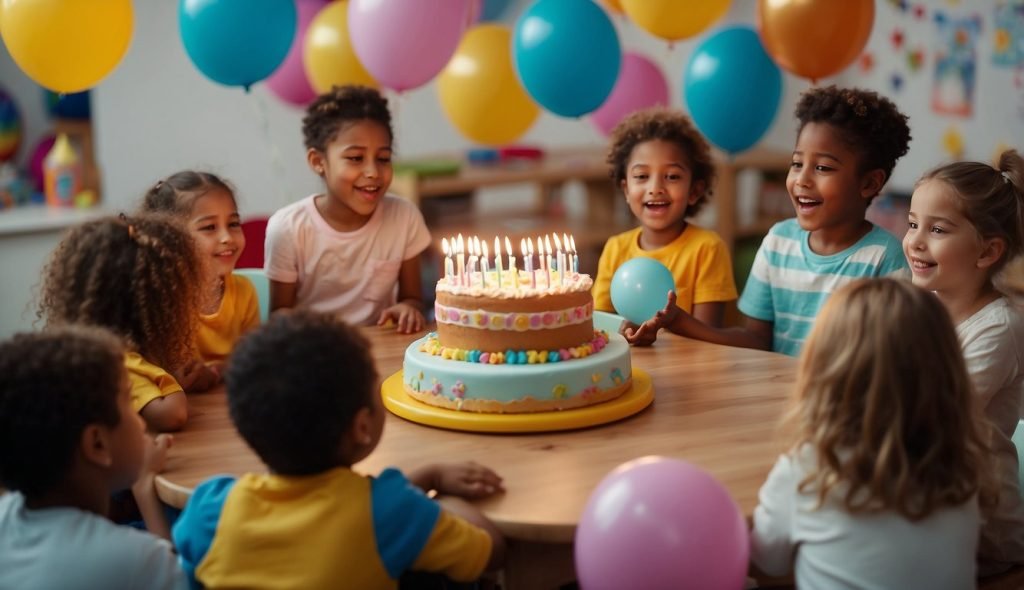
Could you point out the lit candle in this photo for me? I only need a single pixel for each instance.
(529, 263)
(547, 263)
(461, 260)
(497, 259)
(483, 265)
(561, 259)
(575, 259)
(448, 272)
(474, 251)
(549, 250)
(512, 263)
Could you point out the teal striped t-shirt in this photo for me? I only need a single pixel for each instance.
(789, 283)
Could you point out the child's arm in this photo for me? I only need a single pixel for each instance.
(196, 377)
(470, 514)
(710, 313)
(754, 333)
(408, 312)
(465, 480)
(167, 413)
(282, 295)
(771, 545)
(144, 488)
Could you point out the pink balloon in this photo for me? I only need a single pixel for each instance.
(405, 44)
(289, 82)
(35, 161)
(640, 85)
(656, 522)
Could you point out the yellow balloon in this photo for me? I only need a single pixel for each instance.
(673, 20)
(615, 5)
(815, 38)
(327, 54)
(66, 45)
(479, 89)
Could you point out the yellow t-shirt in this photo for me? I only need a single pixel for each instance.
(239, 312)
(148, 380)
(698, 259)
(336, 529)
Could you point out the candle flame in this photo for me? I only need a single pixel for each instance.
(462, 245)
(522, 246)
(483, 246)
(572, 243)
(508, 246)
(558, 243)
(529, 245)
(444, 246)
(547, 245)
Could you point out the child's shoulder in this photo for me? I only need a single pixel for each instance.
(292, 213)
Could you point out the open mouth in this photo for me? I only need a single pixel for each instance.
(918, 265)
(657, 205)
(807, 203)
(369, 191)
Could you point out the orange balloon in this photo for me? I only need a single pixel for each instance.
(614, 5)
(815, 38)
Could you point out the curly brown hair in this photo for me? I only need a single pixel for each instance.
(884, 400)
(866, 121)
(52, 385)
(177, 193)
(668, 125)
(294, 386)
(140, 277)
(341, 106)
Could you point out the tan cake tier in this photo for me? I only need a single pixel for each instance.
(546, 322)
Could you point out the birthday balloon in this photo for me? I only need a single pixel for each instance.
(640, 288)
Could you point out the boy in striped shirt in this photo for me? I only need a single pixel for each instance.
(848, 142)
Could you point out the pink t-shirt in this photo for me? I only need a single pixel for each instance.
(352, 273)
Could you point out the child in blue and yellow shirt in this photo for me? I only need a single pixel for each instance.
(302, 391)
(663, 166)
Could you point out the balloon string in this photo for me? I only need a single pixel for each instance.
(396, 100)
(277, 167)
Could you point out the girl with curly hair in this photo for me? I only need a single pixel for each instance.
(140, 278)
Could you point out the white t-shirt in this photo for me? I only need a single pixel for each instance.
(68, 548)
(355, 273)
(993, 344)
(837, 550)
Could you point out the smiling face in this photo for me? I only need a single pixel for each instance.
(945, 252)
(217, 230)
(356, 168)
(828, 190)
(659, 188)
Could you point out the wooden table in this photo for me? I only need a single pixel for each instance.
(715, 406)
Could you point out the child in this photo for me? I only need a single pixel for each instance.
(139, 277)
(847, 144)
(207, 206)
(344, 251)
(881, 487)
(966, 221)
(302, 392)
(68, 439)
(664, 168)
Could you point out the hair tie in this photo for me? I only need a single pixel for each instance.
(131, 228)
(1006, 177)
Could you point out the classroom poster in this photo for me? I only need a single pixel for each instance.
(1008, 34)
(955, 64)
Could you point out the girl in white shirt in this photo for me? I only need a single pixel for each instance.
(966, 222)
(880, 488)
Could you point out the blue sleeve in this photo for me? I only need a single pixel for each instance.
(403, 520)
(756, 301)
(194, 530)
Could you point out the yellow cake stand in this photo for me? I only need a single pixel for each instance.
(639, 396)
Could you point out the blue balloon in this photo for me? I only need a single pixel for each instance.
(67, 106)
(732, 88)
(567, 55)
(493, 9)
(640, 288)
(237, 42)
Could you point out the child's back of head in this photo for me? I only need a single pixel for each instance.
(137, 276)
(884, 401)
(342, 106)
(176, 194)
(295, 387)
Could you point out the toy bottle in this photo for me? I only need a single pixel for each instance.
(62, 174)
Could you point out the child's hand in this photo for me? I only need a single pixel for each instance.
(408, 317)
(465, 480)
(196, 376)
(155, 455)
(647, 333)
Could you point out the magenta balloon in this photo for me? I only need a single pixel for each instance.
(405, 44)
(289, 82)
(35, 161)
(640, 85)
(656, 522)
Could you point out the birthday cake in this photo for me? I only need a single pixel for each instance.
(513, 340)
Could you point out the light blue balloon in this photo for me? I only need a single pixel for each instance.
(237, 42)
(732, 88)
(567, 55)
(640, 287)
